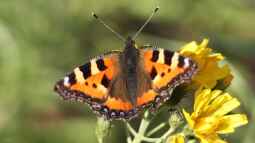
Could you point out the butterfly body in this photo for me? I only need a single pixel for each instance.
(132, 71)
(119, 85)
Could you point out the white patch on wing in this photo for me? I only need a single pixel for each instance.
(79, 75)
(186, 62)
(66, 81)
(161, 57)
(175, 60)
(94, 69)
(157, 78)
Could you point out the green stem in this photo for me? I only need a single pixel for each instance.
(152, 140)
(159, 127)
(132, 131)
(187, 131)
(129, 140)
(140, 135)
(142, 129)
(100, 140)
(128, 130)
(164, 136)
(102, 129)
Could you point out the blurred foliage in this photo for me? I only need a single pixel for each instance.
(41, 40)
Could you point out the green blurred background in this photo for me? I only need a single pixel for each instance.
(42, 40)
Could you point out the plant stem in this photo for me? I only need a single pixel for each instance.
(142, 129)
(164, 136)
(132, 131)
(152, 140)
(129, 140)
(100, 140)
(102, 129)
(160, 126)
(140, 135)
(128, 130)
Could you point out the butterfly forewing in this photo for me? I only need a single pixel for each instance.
(93, 83)
(167, 70)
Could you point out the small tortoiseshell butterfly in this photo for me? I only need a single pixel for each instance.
(120, 84)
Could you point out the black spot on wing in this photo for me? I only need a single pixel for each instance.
(100, 64)
(94, 85)
(72, 79)
(168, 57)
(155, 55)
(105, 81)
(153, 73)
(86, 70)
(180, 61)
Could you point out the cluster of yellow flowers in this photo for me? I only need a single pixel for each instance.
(211, 111)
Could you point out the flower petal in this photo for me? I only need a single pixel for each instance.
(206, 125)
(204, 43)
(227, 107)
(212, 138)
(206, 110)
(177, 138)
(216, 102)
(209, 116)
(201, 99)
(229, 122)
(209, 70)
(189, 48)
(188, 118)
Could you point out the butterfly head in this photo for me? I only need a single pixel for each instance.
(130, 43)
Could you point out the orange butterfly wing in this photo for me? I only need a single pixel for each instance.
(90, 79)
(90, 83)
(94, 82)
(165, 67)
(167, 70)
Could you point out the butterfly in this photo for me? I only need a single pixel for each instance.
(121, 84)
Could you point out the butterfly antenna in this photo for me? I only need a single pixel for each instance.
(108, 27)
(146, 22)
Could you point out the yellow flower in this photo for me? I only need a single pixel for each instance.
(209, 71)
(177, 138)
(210, 116)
